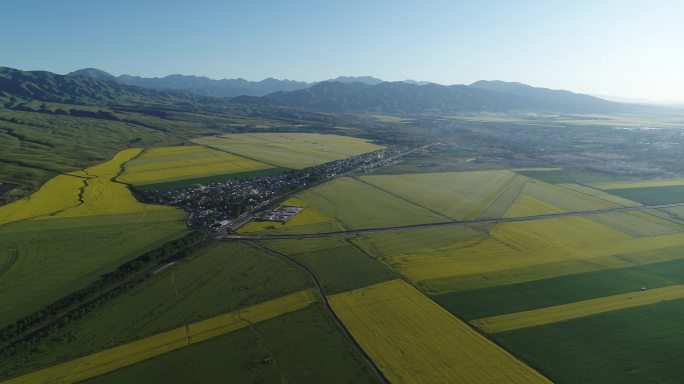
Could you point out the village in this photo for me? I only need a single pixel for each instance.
(218, 205)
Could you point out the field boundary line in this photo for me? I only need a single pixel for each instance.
(326, 304)
(577, 309)
(598, 197)
(401, 198)
(502, 193)
(403, 352)
(237, 154)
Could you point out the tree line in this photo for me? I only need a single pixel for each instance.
(39, 325)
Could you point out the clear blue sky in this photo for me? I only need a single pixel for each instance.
(631, 48)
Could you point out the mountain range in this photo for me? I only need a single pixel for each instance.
(344, 94)
(89, 90)
(402, 97)
(209, 87)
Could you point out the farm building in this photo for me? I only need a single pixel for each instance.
(282, 214)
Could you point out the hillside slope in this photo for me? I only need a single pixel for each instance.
(403, 97)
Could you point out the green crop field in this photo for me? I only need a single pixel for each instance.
(538, 197)
(220, 279)
(578, 309)
(563, 176)
(653, 195)
(44, 260)
(638, 224)
(299, 347)
(302, 345)
(338, 264)
(492, 301)
(358, 205)
(121, 356)
(455, 195)
(389, 244)
(290, 150)
(76, 227)
(635, 345)
(603, 195)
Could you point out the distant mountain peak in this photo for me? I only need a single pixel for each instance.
(567, 99)
(409, 81)
(370, 80)
(93, 73)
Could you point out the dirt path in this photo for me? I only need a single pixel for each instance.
(327, 307)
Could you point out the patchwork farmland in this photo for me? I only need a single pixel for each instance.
(478, 302)
(80, 255)
(507, 279)
(45, 256)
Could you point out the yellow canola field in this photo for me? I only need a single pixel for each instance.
(413, 340)
(536, 169)
(554, 233)
(102, 195)
(165, 152)
(489, 265)
(638, 184)
(638, 223)
(524, 251)
(536, 317)
(184, 162)
(57, 194)
(529, 206)
(124, 355)
(508, 246)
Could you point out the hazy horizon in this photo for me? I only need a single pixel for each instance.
(626, 49)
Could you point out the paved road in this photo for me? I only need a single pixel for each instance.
(447, 223)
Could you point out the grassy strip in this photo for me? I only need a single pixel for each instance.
(560, 290)
(124, 355)
(297, 347)
(620, 184)
(544, 316)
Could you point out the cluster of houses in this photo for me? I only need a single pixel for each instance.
(217, 204)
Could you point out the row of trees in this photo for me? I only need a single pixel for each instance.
(43, 323)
